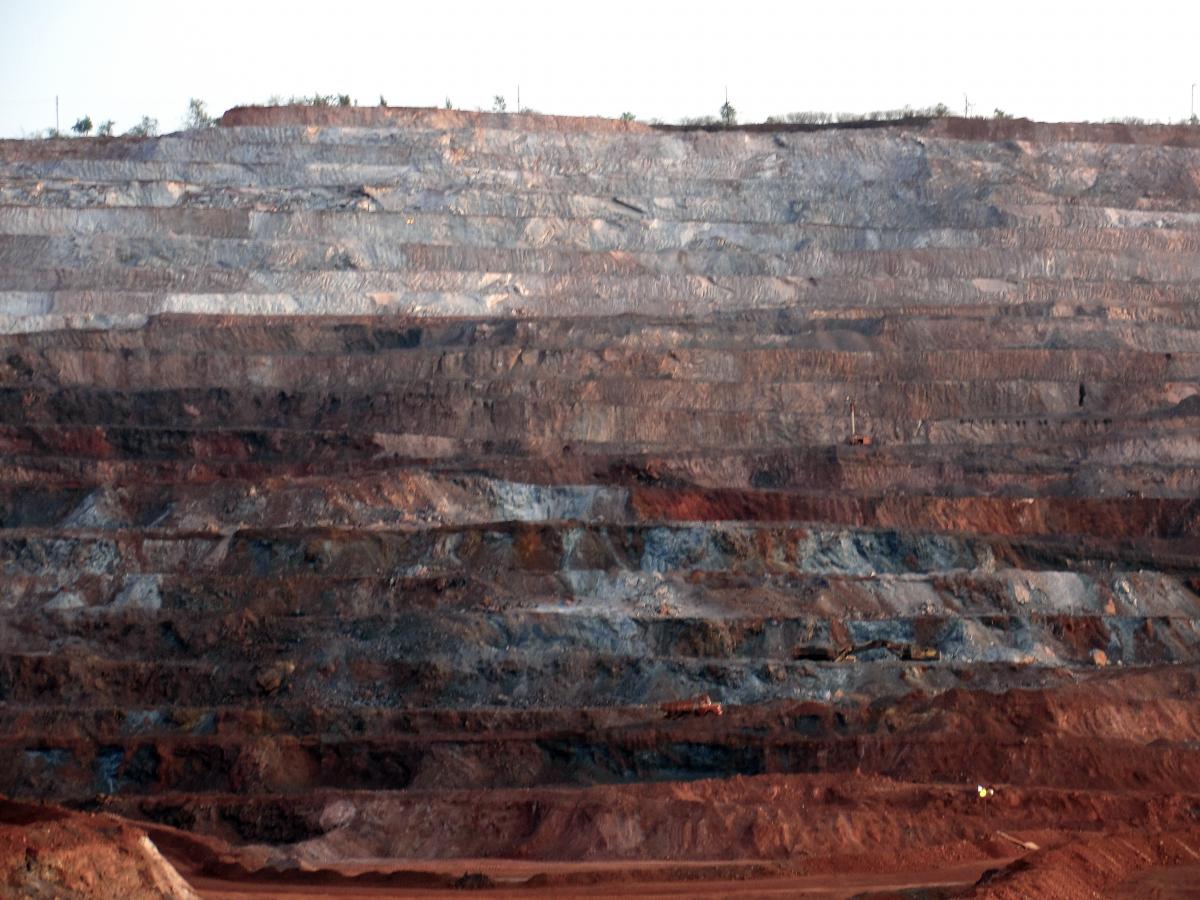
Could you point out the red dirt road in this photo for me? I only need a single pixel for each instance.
(644, 881)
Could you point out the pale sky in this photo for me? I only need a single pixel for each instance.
(1049, 60)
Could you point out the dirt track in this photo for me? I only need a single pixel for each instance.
(670, 881)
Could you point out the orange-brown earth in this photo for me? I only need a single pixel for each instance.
(377, 486)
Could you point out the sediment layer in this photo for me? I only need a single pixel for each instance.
(362, 466)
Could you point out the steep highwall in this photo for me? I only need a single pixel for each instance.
(428, 451)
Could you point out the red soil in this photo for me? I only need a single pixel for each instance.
(48, 852)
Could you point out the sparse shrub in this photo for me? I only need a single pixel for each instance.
(319, 100)
(105, 128)
(499, 104)
(628, 117)
(82, 126)
(147, 127)
(809, 118)
(1000, 114)
(879, 115)
(197, 115)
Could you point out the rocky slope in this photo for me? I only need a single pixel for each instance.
(372, 477)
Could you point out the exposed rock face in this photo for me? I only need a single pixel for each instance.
(430, 452)
(48, 853)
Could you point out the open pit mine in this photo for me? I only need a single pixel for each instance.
(394, 502)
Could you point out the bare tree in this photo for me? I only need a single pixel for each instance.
(148, 127)
(197, 115)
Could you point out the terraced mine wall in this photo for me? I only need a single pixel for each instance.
(371, 479)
